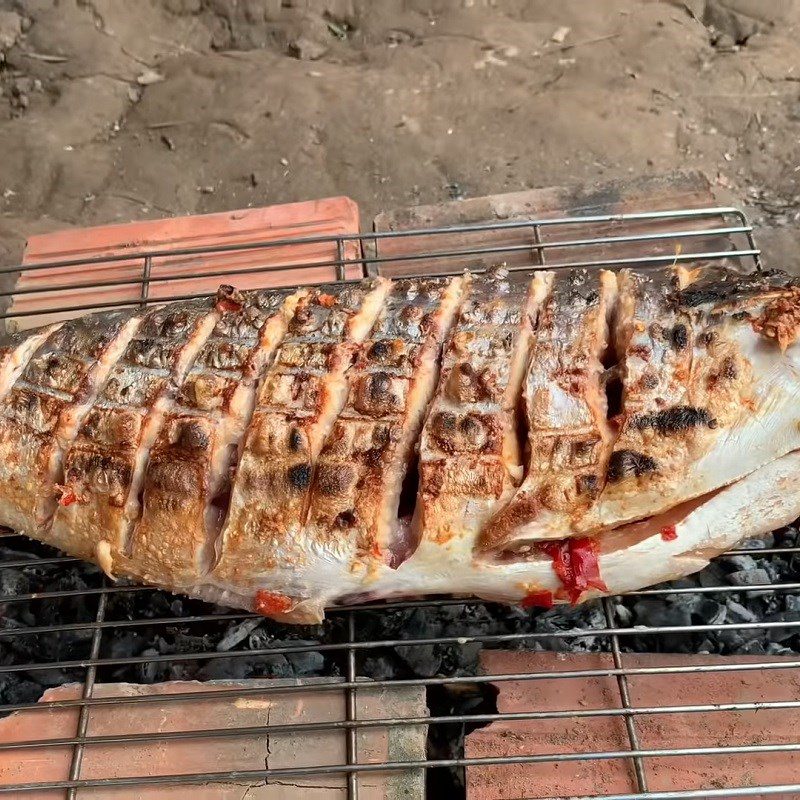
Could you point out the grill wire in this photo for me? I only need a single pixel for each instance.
(76, 614)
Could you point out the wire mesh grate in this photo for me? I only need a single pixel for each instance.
(62, 621)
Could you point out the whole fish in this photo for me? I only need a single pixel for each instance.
(524, 437)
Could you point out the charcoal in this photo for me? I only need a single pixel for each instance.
(655, 613)
(750, 577)
(273, 666)
(148, 671)
(50, 677)
(423, 660)
(712, 575)
(379, 668)
(792, 602)
(125, 644)
(754, 647)
(710, 612)
(689, 582)
(306, 662)
(237, 634)
(13, 582)
(759, 543)
(259, 639)
(623, 615)
(16, 689)
(463, 658)
(687, 602)
(736, 612)
(225, 669)
(775, 649)
(783, 634)
(742, 563)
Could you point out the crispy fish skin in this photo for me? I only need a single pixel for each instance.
(710, 372)
(187, 480)
(569, 436)
(355, 493)
(43, 409)
(104, 467)
(298, 402)
(705, 444)
(470, 459)
(16, 350)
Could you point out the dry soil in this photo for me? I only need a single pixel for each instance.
(114, 109)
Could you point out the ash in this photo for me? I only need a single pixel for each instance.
(204, 642)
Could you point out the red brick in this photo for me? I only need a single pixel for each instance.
(651, 193)
(327, 217)
(250, 752)
(656, 731)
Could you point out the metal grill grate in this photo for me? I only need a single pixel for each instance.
(79, 615)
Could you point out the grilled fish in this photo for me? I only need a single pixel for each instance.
(524, 437)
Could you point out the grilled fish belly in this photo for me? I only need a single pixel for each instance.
(43, 410)
(517, 436)
(105, 465)
(298, 403)
(187, 481)
(569, 435)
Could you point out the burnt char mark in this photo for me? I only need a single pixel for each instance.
(190, 434)
(299, 476)
(728, 287)
(345, 519)
(729, 370)
(588, 485)
(379, 351)
(675, 420)
(629, 463)
(679, 337)
(334, 478)
(295, 440)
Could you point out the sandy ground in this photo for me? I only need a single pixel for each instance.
(116, 110)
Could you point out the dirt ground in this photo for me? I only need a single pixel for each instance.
(115, 110)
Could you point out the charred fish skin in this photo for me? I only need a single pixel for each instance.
(706, 437)
(360, 472)
(710, 377)
(16, 350)
(104, 467)
(187, 480)
(44, 408)
(298, 401)
(568, 432)
(470, 459)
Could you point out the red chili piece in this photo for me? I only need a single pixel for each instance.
(67, 496)
(226, 304)
(268, 603)
(668, 533)
(543, 599)
(576, 564)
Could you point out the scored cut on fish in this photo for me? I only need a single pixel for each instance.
(524, 437)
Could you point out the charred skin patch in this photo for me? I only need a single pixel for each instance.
(299, 476)
(729, 370)
(629, 464)
(334, 479)
(708, 338)
(588, 485)
(379, 351)
(190, 435)
(295, 440)
(345, 519)
(675, 420)
(679, 337)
